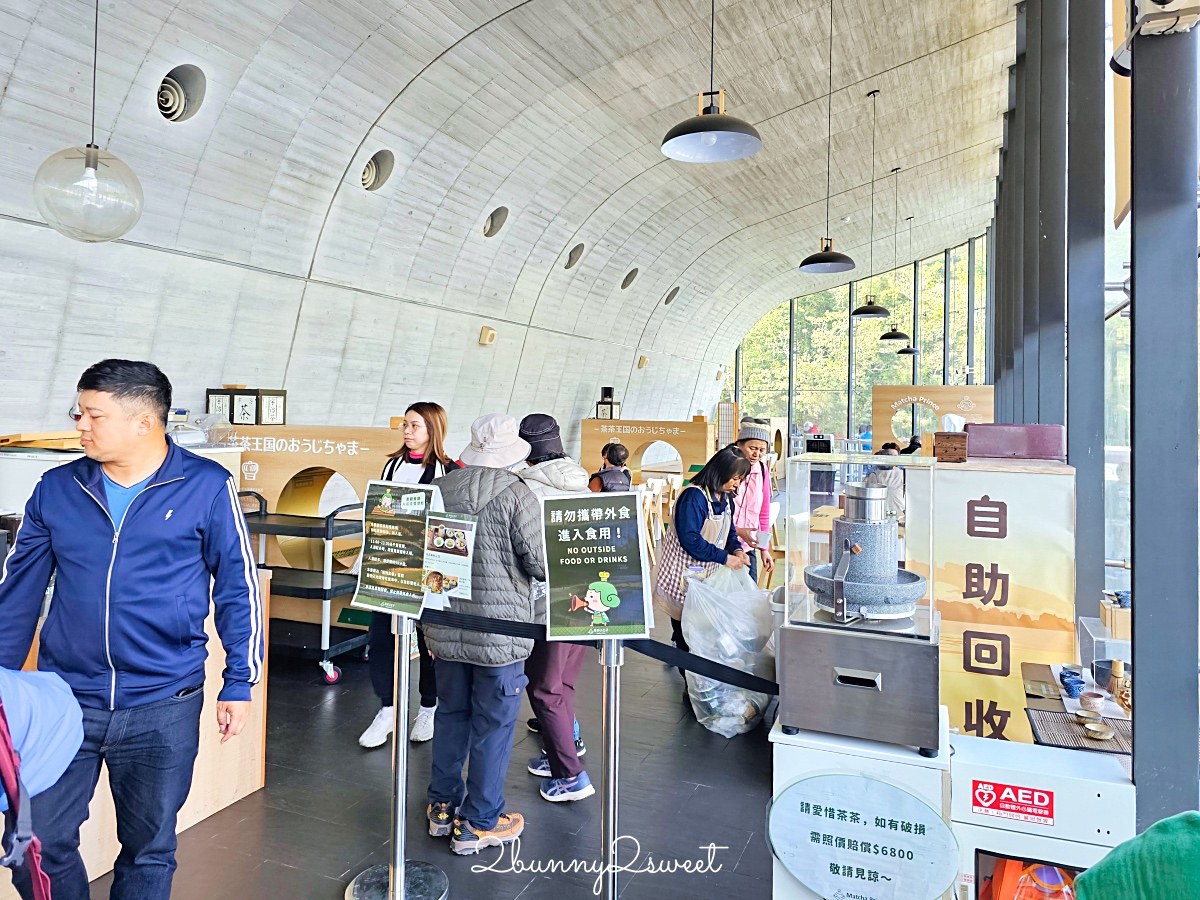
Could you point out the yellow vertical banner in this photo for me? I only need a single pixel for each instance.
(1004, 549)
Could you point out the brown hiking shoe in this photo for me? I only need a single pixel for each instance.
(467, 839)
(441, 819)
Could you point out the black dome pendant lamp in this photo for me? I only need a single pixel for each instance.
(871, 309)
(710, 135)
(910, 350)
(828, 261)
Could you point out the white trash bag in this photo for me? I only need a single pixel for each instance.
(727, 618)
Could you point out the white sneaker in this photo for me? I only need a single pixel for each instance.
(379, 730)
(422, 729)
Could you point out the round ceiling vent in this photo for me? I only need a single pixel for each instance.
(181, 93)
(495, 221)
(574, 256)
(671, 294)
(628, 280)
(377, 170)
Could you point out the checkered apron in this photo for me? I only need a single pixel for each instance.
(670, 588)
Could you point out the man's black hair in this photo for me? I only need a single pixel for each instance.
(728, 463)
(135, 385)
(616, 454)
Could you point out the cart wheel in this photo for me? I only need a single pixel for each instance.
(333, 675)
(366, 653)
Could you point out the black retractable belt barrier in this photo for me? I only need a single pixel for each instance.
(672, 656)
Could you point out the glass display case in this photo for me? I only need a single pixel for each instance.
(859, 644)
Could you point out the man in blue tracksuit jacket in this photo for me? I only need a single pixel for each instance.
(140, 533)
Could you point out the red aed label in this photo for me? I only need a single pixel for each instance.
(1011, 801)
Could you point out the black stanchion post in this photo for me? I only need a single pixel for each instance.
(612, 656)
(402, 879)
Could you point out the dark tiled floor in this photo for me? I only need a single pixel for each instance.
(325, 813)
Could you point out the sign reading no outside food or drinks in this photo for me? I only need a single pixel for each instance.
(849, 837)
(597, 579)
(391, 576)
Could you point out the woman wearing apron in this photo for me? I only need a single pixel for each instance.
(702, 536)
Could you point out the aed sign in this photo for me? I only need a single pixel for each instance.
(1011, 801)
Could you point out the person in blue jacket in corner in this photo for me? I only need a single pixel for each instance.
(136, 532)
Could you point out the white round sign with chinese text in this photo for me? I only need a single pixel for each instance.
(849, 837)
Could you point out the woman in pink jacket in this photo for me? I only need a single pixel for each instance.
(752, 512)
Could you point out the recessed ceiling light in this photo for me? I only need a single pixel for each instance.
(495, 221)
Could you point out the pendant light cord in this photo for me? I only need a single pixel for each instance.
(829, 127)
(874, 97)
(712, 58)
(896, 223)
(95, 54)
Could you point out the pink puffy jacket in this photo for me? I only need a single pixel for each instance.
(753, 503)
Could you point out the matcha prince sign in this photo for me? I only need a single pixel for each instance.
(597, 579)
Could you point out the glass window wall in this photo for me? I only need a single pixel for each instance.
(826, 383)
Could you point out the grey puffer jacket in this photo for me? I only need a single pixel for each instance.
(508, 556)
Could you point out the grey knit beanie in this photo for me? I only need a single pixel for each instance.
(754, 430)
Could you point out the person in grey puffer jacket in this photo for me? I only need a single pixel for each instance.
(480, 676)
(553, 667)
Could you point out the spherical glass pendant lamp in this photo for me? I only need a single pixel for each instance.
(711, 135)
(88, 194)
(85, 193)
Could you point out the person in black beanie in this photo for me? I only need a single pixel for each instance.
(553, 668)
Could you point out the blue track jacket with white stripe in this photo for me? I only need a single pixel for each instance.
(126, 625)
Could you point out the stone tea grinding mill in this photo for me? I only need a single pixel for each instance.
(864, 580)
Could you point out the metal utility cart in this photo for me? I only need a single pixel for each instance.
(300, 638)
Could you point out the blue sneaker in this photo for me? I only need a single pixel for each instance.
(559, 790)
(540, 766)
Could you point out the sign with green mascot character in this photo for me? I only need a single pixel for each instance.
(597, 576)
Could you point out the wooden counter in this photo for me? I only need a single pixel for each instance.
(223, 774)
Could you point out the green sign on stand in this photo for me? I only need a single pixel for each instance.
(598, 580)
(390, 578)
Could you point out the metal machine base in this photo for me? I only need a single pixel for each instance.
(422, 881)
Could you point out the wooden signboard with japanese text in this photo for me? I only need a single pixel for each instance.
(1004, 548)
(693, 441)
(292, 467)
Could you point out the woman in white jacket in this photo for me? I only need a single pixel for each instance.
(553, 667)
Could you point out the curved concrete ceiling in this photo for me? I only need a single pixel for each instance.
(552, 109)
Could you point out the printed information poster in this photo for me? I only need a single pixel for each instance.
(449, 552)
(597, 577)
(391, 577)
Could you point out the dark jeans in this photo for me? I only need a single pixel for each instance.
(381, 662)
(149, 751)
(477, 714)
(553, 669)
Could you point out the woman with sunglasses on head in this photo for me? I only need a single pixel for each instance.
(420, 460)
